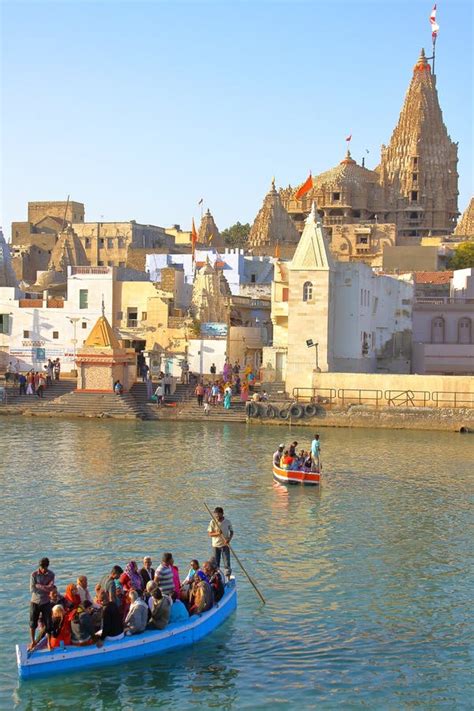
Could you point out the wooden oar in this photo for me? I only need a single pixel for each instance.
(235, 555)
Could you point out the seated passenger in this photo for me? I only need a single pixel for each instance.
(192, 570)
(137, 617)
(179, 612)
(308, 462)
(165, 576)
(82, 625)
(55, 598)
(60, 630)
(301, 458)
(112, 625)
(131, 578)
(72, 597)
(160, 609)
(202, 598)
(215, 580)
(147, 572)
(286, 460)
(278, 455)
(82, 589)
(294, 466)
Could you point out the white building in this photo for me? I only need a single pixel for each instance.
(356, 320)
(35, 329)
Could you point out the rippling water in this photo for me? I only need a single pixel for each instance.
(367, 580)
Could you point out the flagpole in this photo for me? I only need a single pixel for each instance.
(434, 52)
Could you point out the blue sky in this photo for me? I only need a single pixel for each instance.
(139, 109)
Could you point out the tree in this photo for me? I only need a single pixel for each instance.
(463, 257)
(236, 235)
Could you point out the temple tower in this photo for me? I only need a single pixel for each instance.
(418, 168)
(465, 226)
(273, 226)
(208, 302)
(209, 235)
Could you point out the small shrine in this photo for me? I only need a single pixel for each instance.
(102, 361)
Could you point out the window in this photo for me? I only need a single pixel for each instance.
(100, 263)
(253, 278)
(121, 242)
(375, 303)
(88, 242)
(26, 334)
(4, 323)
(84, 324)
(83, 298)
(415, 162)
(101, 242)
(336, 197)
(110, 263)
(307, 291)
(285, 292)
(415, 177)
(414, 195)
(132, 317)
(121, 264)
(464, 330)
(55, 334)
(413, 215)
(110, 243)
(144, 315)
(362, 239)
(437, 330)
(361, 297)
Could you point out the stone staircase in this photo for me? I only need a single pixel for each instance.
(32, 402)
(191, 411)
(275, 391)
(80, 404)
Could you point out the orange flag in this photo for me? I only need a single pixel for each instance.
(194, 239)
(277, 250)
(305, 188)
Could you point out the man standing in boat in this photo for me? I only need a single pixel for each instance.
(221, 532)
(315, 451)
(41, 584)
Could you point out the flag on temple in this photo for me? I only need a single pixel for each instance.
(201, 201)
(433, 23)
(349, 137)
(277, 250)
(304, 188)
(194, 239)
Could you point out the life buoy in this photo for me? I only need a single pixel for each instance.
(284, 414)
(296, 411)
(310, 410)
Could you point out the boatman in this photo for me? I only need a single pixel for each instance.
(315, 450)
(41, 584)
(221, 533)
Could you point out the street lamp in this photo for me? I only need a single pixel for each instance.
(74, 320)
(311, 344)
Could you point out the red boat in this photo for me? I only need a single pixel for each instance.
(287, 476)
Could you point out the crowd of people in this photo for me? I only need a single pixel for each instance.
(33, 382)
(304, 460)
(127, 601)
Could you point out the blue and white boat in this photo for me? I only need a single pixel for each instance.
(42, 662)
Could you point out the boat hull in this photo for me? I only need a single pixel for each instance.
(152, 642)
(285, 476)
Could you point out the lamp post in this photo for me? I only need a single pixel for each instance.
(311, 344)
(74, 321)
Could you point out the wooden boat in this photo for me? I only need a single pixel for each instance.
(286, 476)
(178, 634)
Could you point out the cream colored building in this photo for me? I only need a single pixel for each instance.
(334, 316)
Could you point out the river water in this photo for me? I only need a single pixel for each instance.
(367, 580)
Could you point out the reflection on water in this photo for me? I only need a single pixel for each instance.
(366, 579)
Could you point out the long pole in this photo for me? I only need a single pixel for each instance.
(434, 52)
(235, 555)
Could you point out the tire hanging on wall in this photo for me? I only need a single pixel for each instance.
(284, 414)
(296, 411)
(270, 412)
(310, 410)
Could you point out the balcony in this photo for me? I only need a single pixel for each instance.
(280, 309)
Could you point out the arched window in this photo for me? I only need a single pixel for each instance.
(437, 330)
(464, 330)
(307, 291)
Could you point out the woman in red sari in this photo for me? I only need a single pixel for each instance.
(73, 599)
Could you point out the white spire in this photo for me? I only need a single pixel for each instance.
(312, 251)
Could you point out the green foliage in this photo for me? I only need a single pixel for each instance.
(463, 257)
(236, 235)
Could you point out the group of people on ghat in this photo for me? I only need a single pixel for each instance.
(130, 600)
(33, 382)
(304, 460)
